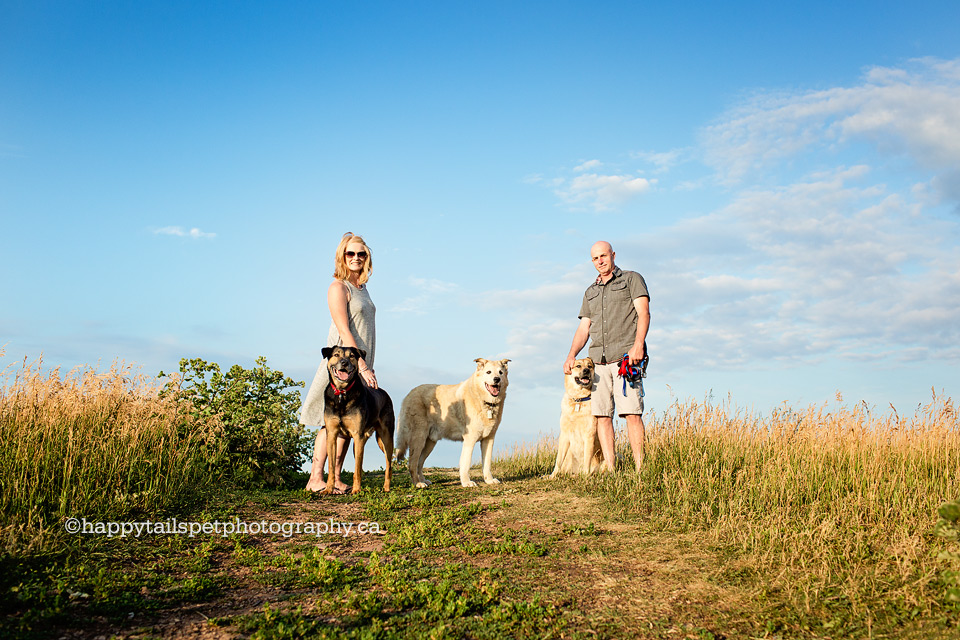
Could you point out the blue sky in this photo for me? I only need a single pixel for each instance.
(174, 178)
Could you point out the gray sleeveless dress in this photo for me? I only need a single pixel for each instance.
(362, 314)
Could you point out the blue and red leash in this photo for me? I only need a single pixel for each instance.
(633, 374)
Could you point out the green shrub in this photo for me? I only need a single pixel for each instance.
(258, 409)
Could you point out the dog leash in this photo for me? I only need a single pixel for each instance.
(633, 374)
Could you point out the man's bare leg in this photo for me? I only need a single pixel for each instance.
(637, 434)
(605, 435)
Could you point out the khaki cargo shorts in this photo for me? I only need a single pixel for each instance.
(608, 393)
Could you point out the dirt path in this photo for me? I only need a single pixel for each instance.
(650, 583)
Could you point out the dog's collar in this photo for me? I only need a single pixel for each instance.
(491, 404)
(340, 392)
(584, 399)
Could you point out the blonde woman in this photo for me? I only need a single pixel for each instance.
(353, 314)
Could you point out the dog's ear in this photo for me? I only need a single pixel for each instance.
(363, 354)
(480, 362)
(589, 361)
(326, 352)
(503, 363)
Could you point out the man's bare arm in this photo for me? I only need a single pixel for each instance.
(642, 305)
(579, 340)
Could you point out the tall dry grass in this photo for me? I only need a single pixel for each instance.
(833, 506)
(91, 444)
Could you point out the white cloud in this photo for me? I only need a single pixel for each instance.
(913, 111)
(431, 294)
(662, 161)
(824, 267)
(602, 192)
(194, 232)
(587, 189)
(586, 166)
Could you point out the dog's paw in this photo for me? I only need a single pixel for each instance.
(468, 483)
(492, 481)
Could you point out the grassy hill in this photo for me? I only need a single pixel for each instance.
(825, 522)
(528, 558)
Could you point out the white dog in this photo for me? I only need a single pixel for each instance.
(469, 411)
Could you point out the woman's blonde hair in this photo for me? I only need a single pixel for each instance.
(340, 270)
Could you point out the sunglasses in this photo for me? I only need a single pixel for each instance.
(360, 254)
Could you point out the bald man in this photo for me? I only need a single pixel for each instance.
(615, 316)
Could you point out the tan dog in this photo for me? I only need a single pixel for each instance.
(579, 448)
(469, 411)
(356, 411)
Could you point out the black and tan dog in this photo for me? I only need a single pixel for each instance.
(355, 410)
